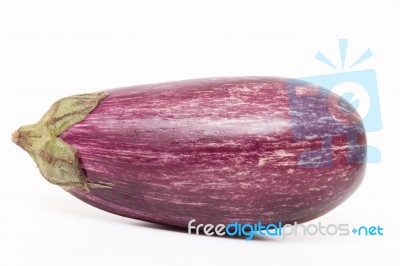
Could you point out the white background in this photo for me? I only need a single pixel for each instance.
(50, 49)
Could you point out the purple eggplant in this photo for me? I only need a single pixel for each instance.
(218, 150)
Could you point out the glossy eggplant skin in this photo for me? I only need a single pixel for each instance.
(220, 150)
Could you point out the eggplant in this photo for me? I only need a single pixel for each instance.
(217, 150)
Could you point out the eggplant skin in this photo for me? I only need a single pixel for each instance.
(220, 150)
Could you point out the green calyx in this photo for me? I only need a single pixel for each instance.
(57, 160)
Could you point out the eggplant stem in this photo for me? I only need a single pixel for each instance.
(58, 161)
